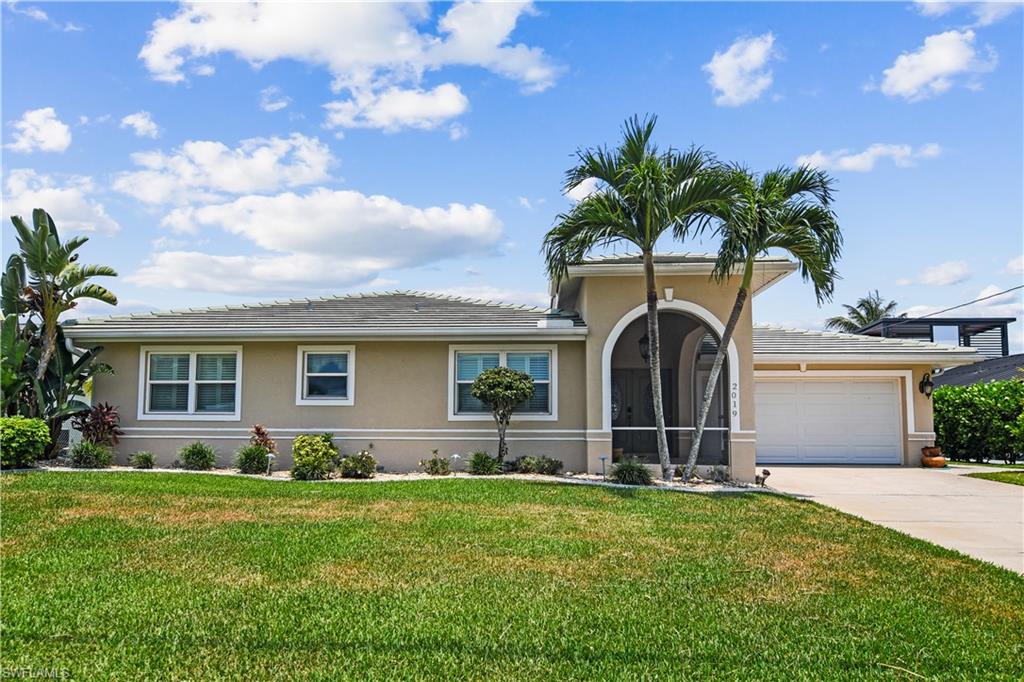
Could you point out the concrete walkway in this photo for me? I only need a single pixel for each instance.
(984, 519)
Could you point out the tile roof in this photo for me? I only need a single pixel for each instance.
(995, 369)
(770, 340)
(387, 313)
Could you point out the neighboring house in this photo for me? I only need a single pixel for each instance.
(989, 335)
(995, 369)
(395, 369)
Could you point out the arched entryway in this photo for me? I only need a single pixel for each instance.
(689, 341)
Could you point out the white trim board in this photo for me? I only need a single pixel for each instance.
(811, 374)
(703, 315)
(199, 435)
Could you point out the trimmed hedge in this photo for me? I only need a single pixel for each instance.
(22, 441)
(980, 422)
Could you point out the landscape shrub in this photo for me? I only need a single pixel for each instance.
(100, 425)
(197, 456)
(261, 437)
(538, 465)
(981, 421)
(22, 441)
(252, 459)
(88, 455)
(482, 464)
(630, 471)
(312, 455)
(359, 465)
(142, 460)
(436, 465)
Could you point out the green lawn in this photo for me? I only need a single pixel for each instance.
(1014, 477)
(171, 576)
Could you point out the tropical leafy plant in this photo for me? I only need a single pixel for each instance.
(436, 465)
(100, 425)
(358, 465)
(866, 310)
(630, 471)
(197, 456)
(142, 460)
(980, 422)
(22, 441)
(252, 459)
(538, 465)
(55, 281)
(502, 389)
(88, 455)
(482, 464)
(41, 377)
(312, 455)
(261, 437)
(782, 210)
(643, 194)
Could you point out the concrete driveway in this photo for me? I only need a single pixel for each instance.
(984, 519)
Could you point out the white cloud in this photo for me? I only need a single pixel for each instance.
(325, 239)
(376, 52)
(395, 108)
(741, 74)
(36, 14)
(943, 274)
(583, 190)
(272, 99)
(204, 70)
(69, 203)
(498, 295)
(40, 129)
(936, 66)
(142, 123)
(902, 155)
(205, 170)
(985, 13)
(1015, 266)
(525, 203)
(457, 131)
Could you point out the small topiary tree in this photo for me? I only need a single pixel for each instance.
(502, 389)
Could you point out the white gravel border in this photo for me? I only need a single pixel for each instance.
(702, 487)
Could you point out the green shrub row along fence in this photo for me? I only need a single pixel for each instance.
(981, 422)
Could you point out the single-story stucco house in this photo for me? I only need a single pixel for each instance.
(394, 369)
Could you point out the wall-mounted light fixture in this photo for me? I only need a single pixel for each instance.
(645, 348)
(926, 385)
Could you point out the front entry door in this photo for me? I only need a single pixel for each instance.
(633, 406)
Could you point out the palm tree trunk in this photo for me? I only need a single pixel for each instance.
(655, 363)
(716, 368)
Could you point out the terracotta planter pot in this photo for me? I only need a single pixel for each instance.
(931, 457)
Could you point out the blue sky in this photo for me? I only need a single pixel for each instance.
(221, 155)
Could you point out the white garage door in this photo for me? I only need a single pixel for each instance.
(828, 422)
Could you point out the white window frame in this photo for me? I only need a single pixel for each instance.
(502, 352)
(145, 415)
(300, 375)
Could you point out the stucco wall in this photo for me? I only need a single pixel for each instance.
(617, 297)
(401, 405)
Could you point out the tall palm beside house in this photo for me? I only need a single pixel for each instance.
(41, 376)
(869, 309)
(642, 194)
(52, 280)
(785, 210)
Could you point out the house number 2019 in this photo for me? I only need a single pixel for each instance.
(734, 393)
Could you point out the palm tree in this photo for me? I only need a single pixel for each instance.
(784, 209)
(871, 308)
(49, 280)
(642, 194)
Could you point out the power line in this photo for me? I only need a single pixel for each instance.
(946, 310)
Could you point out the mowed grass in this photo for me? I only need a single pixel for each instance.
(172, 576)
(1014, 477)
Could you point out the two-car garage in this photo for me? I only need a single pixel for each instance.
(829, 421)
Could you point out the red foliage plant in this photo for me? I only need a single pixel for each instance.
(100, 425)
(261, 437)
